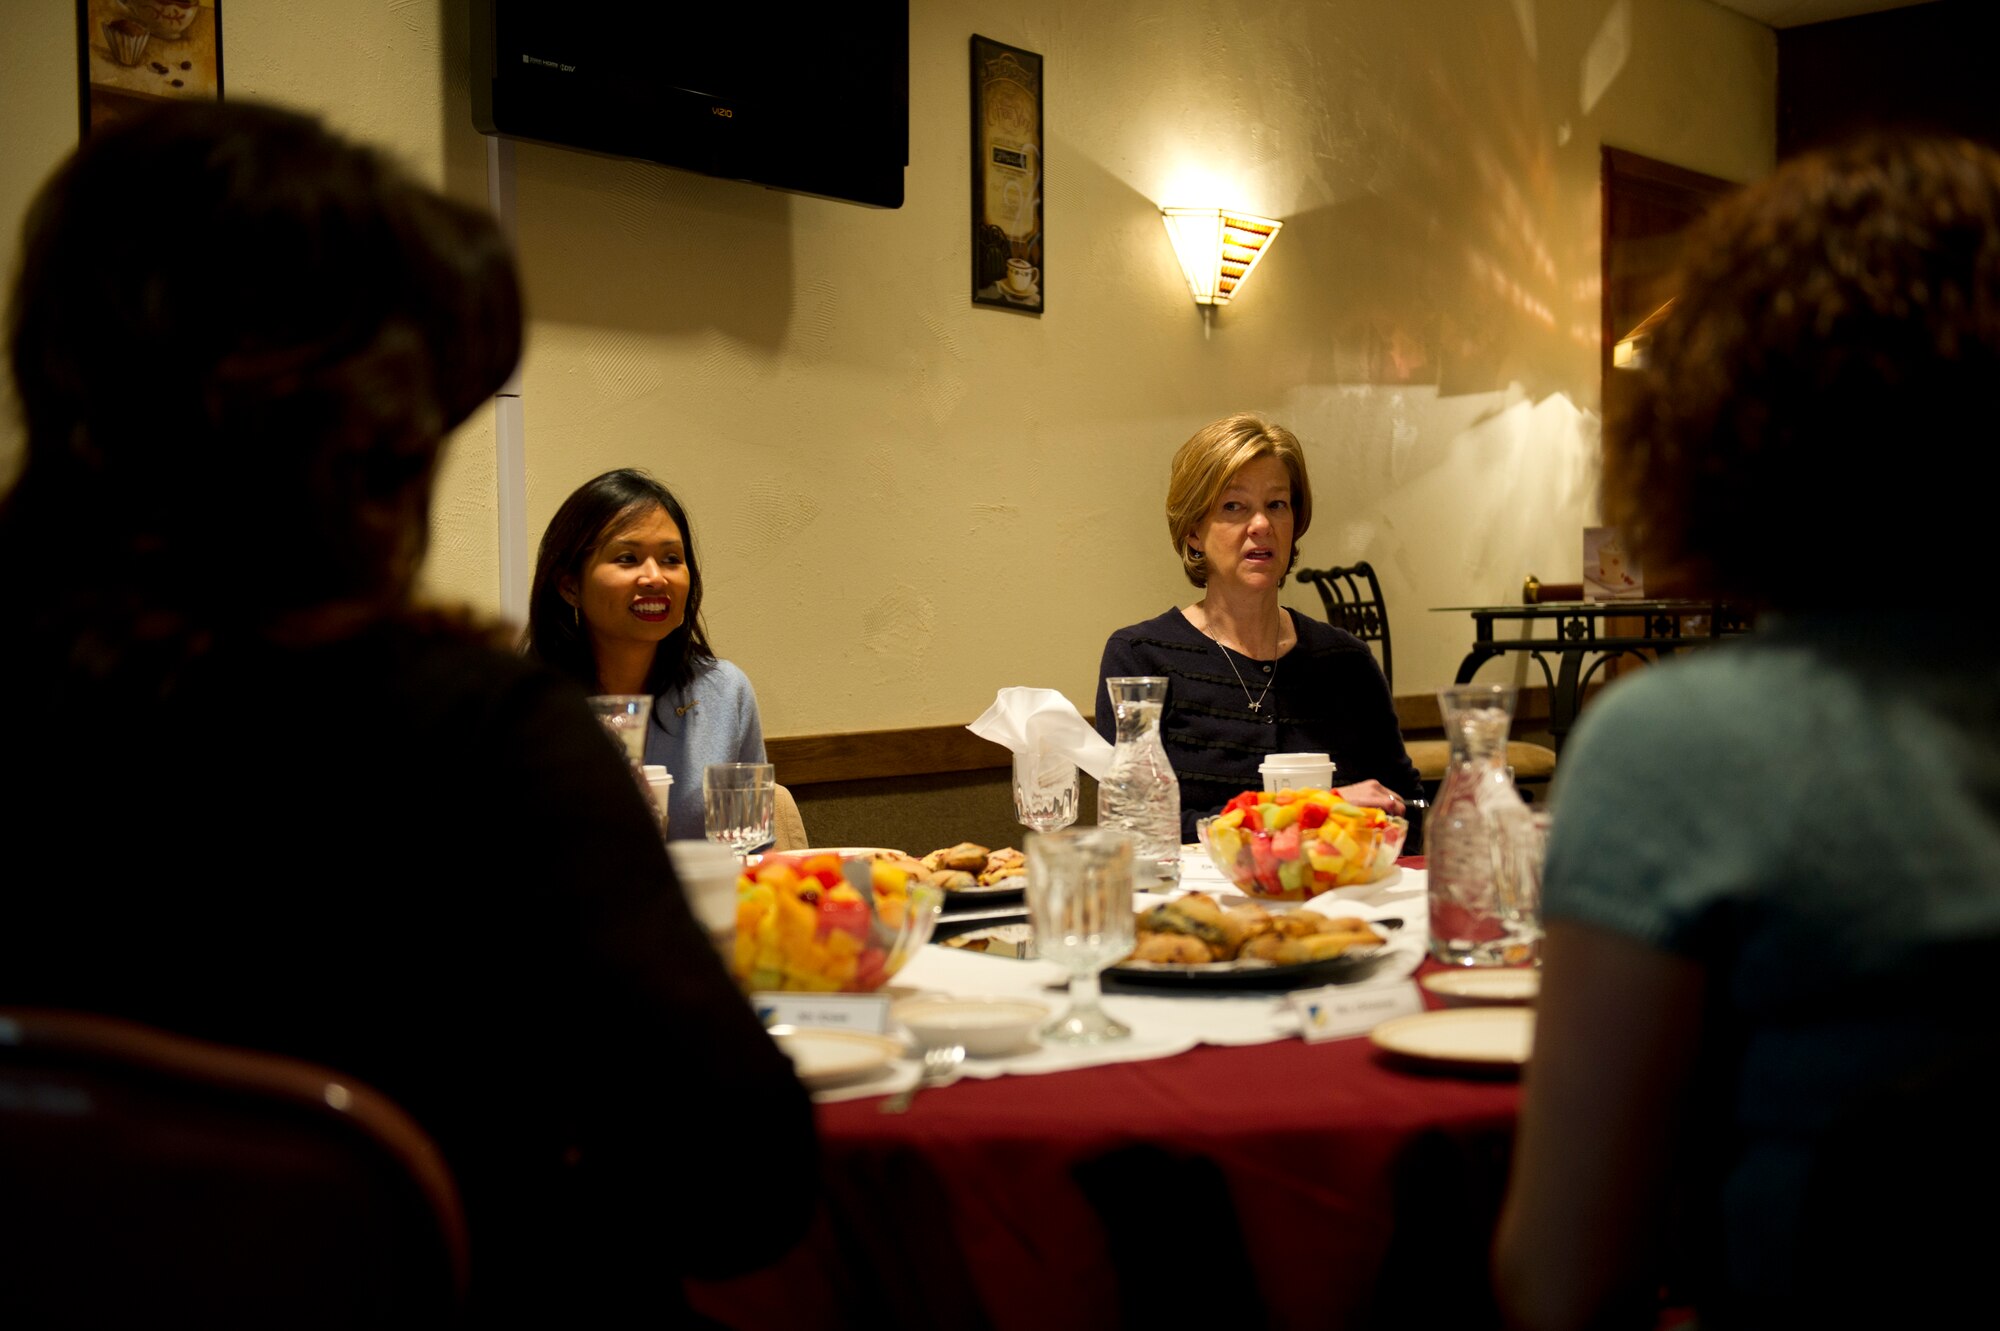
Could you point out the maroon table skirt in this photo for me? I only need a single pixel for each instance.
(1280, 1185)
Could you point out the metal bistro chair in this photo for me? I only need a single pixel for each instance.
(1352, 596)
(152, 1178)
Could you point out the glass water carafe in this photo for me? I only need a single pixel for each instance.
(1140, 794)
(1468, 924)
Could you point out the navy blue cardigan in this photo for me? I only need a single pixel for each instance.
(1327, 695)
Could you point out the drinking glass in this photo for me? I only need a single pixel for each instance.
(741, 799)
(624, 717)
(1080, 907)
(1045, 790)
(1519, 849)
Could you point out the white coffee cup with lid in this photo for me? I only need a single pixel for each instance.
(661, 782)
(1297, 771)
(708, 870)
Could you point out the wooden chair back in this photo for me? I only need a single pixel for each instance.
(151, 1178)
(1353, 600)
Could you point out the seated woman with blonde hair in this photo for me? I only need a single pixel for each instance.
(1246, 676)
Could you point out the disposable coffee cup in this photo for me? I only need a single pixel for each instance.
(661, 783)
(708, 870)
(1297, 771)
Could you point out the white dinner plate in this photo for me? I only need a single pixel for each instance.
(1497, 986)
(1483, 1038)
(1007, 889)
(824, 1058)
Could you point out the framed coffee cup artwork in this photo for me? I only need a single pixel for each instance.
(1007, 271)
(136, 53)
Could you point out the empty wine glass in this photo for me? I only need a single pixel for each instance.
(1045, 790)
(1080, 906)
(740, 800)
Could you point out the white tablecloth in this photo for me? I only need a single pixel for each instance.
(1165, 1024)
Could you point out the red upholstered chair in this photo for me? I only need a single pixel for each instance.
(149, 1179)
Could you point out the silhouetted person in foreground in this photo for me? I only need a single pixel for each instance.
(1775, 866)
(262, 799)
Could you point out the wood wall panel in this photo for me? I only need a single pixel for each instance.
(862, 755)
(804, 760)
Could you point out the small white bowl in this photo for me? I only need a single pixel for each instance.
(986, 1027)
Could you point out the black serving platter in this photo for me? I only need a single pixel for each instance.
(1353, 964)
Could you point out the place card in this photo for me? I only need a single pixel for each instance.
(840, 1012)
(1339, 1011)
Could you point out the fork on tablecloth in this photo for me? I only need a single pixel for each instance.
(940, 1069)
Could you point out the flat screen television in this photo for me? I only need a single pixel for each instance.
(816, 101)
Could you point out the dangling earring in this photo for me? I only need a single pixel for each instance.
(576, 617)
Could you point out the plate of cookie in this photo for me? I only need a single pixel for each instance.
(1194, 942)
(971, 872)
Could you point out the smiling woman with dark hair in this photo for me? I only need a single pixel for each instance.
(262, 799)
(616, 605)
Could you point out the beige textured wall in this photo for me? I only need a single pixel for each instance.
(904, 502)
(39, 112)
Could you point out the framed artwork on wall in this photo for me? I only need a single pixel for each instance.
(1007, 270)
(135, 53)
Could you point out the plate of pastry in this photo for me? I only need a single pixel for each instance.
(1195, 942)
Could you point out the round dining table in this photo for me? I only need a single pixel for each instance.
(1283, 1184)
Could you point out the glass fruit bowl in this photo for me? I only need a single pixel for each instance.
(802, 925)
(1288, 845)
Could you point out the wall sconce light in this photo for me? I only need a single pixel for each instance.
(1218, 248)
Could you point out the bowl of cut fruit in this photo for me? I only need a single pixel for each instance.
(825, 923)
(1287, 845)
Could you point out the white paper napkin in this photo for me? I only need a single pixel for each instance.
(1021, 720)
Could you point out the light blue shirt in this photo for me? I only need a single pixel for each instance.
(713, 720)
(1813, 815)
